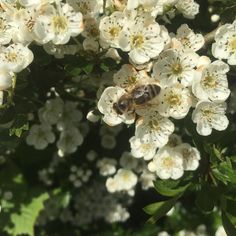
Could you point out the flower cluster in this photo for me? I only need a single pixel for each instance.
(23, 22)
(66, 117)
(155, 90)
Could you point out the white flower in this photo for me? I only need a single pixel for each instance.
(188, 8)
(107, 166)
(175, 101)
(140, 149)
(5, 79)
(127, 161)
(147, 179)
(220, 231)
(112, 185)
(70, 115)
(208, 116)
(5, 29)
(110, 28)
(141, 38)
(69, 140)
(174, 66)
(40, 136)
(89, 8)
(52, 111)
(127, 77)
(154, 129)
(15, 57)
(126, 179)
(105, 105)
(58, 26)
(23, 21)
(213, 84)
(225, 45)
(92, 117)
(188, 39)
(119, 214)
(191, 156)
(167, 164)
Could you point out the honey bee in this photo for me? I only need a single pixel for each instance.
(138, 96)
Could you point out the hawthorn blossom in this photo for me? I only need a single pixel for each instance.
(141, 38)
(52, 111)
(213, 84)
(107, 166)
(124, 180)
(15, 57)
(208, 116)
(110, 28)
(140, 149)
(188, 39)
(5, 79)
(174, 66)
(225, 45)
(191, 156)
(167, 163)
(105, 105)
(175, 102)
(40, 136)
(58, 26)
(154, 129)
(188, 8)
(69, 140)
(5, 29)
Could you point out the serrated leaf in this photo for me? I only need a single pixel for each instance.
(24, 221)
(169, 188)
(88, 68)
(206, 198)
(159, 209)
(228, 225)
(231, 207)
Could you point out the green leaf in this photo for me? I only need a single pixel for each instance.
(88, 68)
(169, 188)
(159, 209)
(231, 207)
(206, 198)
(20, 124)
(24, 221)
(228, 225)
(225, 173)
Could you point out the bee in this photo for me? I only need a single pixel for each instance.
(138, 96)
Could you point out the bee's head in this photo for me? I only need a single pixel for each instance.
(122, 105)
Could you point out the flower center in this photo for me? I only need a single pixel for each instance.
(11, 57)
(59, 24)
(174, 99)
(137, 41)
(177, 68)
(168, 162)
(146, 146)
(207, 113)
(114, 32)
(232, 44)
(154, 124)
(209, 82)
(30, 24)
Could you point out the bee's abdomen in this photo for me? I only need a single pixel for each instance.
(145, 93)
